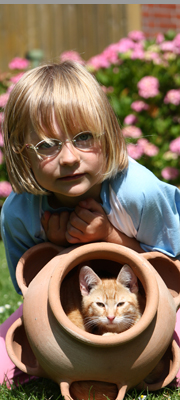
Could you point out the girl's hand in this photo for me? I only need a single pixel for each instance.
(87, 223)
(55, 226)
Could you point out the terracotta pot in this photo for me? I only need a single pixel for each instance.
(46, 343)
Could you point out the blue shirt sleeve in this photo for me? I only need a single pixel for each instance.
(20, 228)
(142, 206)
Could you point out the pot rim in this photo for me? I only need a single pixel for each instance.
(108, 251)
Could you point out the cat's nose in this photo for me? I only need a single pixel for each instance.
(111, 318)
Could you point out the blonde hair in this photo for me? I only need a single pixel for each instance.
(72, 94)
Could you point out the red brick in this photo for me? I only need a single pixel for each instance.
(173, 6)
(167, 26)
(151, 24)
(145, 14)
(157, 15)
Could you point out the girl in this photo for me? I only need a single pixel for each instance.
(71, 177)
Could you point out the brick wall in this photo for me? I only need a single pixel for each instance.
(160, 18)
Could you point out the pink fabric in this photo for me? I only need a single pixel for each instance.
(10, 373)
(177, 339)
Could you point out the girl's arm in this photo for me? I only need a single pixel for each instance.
(118, 237)
(89, 223)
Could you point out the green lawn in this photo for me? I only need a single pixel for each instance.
(44, 389)
(9, 300)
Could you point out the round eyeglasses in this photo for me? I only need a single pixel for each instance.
(51, 147)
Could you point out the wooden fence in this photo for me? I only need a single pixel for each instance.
(54, 28)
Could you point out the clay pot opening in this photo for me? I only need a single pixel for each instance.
(28, 267)
(19, 348)
(168, 269)
(90, 390)
(103, 255)
(103, 268)
(165, 371)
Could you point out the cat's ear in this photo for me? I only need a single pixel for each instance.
(128, 278)
(87, 280)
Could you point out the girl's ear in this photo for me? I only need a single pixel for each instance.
(87, 280)
(128, 278)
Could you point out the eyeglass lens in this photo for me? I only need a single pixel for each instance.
(82, 141)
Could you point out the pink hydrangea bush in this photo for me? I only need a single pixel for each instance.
(144, 79)
(17, 67)
(19, 63)
(141, 79)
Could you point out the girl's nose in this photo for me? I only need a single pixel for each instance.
(69, 154)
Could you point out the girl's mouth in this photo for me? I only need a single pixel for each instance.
(71, 177)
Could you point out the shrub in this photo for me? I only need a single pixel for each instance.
(7, 81)
(141, 79)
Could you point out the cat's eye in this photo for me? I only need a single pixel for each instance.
(99, 304)
(120, 304)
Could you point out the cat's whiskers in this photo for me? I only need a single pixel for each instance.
(91, 322)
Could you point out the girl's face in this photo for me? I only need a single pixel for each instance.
(72, 175)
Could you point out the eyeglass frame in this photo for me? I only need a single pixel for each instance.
(60, 144)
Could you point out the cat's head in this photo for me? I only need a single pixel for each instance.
(109, 305)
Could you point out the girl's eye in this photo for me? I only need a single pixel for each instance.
(46, 145)
(50, 148)
(84, 140)
(120, 304)
(84, 136)
(99, 304)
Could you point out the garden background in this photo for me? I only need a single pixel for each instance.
(133, 51)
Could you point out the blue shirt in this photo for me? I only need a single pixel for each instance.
(135, 201)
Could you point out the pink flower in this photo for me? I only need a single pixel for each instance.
(170, 173)
(173, 97)
(130, 119)
(139, 106)
(177, 43)
(98, 61)
(5, 189)
(71, 55)
(19, 63)
(134, 151)
(148, 87)
(125, 45)
(175, 145)
(137, 54)
(167, 46)
(136, 35)
(16, 78)
(3, 99)
(159, 38)
(132, 131)
(148, 148)
(111, 54)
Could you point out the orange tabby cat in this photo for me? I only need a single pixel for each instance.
(109, 305)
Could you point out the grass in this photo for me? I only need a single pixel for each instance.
(9, 300)
(45, 389)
